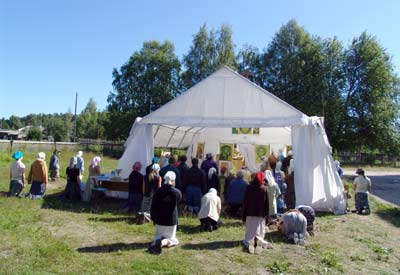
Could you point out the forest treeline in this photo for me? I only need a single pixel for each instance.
(354, 87)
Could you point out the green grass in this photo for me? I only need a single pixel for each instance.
(50, 236)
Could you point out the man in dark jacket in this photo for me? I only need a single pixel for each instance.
(171, 167)
(164, 213)
(255, 210)
(208, 163)
(183, 168)
(195, 186)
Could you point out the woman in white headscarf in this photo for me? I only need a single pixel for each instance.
(210, 211)
(94, 167)
(279, 177)
(273, 193)
(290, 196)
(213, 180)
(38, 177)
(164, 213)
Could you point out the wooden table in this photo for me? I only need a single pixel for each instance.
(115, 185)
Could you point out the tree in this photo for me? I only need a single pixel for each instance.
(306, 72)
(210, 50)
(88, 122)
(249, 63)
(34, 133)
(370, 97)
(15, 122)
(291, 68)
(146, 82)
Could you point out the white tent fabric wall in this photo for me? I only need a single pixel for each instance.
(138, 147)
(322, 189)
(224, 100)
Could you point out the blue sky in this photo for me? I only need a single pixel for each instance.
(49, 50)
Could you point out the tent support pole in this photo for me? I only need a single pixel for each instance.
(180, 143)
(158, 128)
(171, 136)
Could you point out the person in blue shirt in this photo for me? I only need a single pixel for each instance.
(235, 193)
(54, 166)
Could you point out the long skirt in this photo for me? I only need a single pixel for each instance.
(16, 187)
(135, 202)
(72, 191)
(208, 224)
(361, 200)
(255, 228)
(193, 198)
(87, 194)
(146, 203)
(168, 233)
(38, 189)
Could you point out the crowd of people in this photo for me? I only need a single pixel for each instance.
(195, 191)
(40, 174)
(170, 186)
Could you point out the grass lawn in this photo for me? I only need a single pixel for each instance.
(50, 236)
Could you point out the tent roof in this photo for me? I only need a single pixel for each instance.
(226, 99)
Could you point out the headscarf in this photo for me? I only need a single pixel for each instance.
(155, 167)
(337, 163)
(213, 191)
(137, 166)
(260, 178)
(169, 178)
(17, 155)
(73, 162)
(41, 156)
(155, 159)
(79, 154)
(291, 166)
(211, 172)
(96, 160)
(270, 178)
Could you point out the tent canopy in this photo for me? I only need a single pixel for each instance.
(225, 100)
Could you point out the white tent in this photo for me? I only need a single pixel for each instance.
(224, 100)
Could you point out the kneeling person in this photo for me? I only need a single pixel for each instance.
(210, 211)
(293, 226)
(164, 213)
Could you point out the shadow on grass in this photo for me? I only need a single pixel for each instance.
(128, 219)
(196, 228)
(391, 215)
(100, 205)
(212, 245)
(108, 248)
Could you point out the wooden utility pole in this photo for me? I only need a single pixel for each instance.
(76, 104)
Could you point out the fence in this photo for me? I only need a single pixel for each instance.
(107, 148)
(367, 159)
